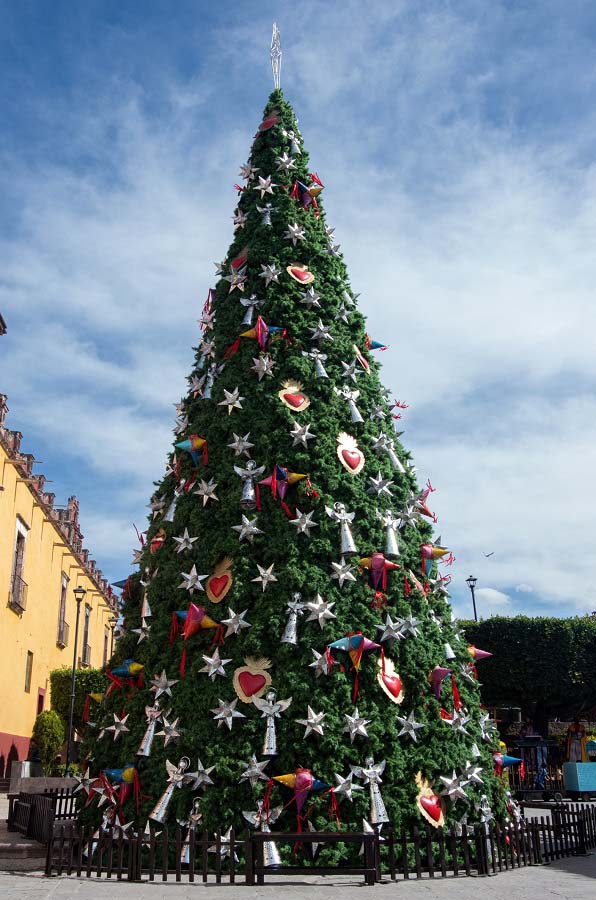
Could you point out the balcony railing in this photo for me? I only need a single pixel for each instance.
(17, 598)
(86, 657)
(62, 637)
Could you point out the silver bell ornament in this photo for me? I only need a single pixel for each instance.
(295, 609)
(344, 518)
(249, 476)
(271, 709)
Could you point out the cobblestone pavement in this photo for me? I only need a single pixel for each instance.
(570, 879)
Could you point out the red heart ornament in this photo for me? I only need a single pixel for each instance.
(352, 458)
(393, 684)
(217, 584)
(301, 274)
(251, 684)
(295, 400)
(432, 805)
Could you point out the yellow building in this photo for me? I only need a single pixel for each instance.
(42, 560)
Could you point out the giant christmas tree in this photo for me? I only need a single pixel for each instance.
(288, 637)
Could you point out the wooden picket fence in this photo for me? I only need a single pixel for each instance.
(424, 853)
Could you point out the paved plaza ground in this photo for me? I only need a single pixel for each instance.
(569, 879)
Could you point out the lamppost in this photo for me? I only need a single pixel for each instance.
(113, 621)
(79, 594)
(471, 582)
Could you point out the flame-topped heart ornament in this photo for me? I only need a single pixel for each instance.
(349, 454)
(389, 680)
(220, 583)
(252, 679)
(429, 804)
(292, 396)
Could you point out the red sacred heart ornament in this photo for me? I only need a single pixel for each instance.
(220, 583)
(429, 805)
(432, 805)
(352, 458)
(294, 400)
(266, 124)
(300, 274)
(293, 397)
(157, 541)
(251, 684)
(389, 681)
(252, 679)
(217, 584)
(349, 454)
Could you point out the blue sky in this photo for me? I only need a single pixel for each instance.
(456, 142)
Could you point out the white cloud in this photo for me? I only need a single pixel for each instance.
(524, 588)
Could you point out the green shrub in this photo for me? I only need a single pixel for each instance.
(48, 734)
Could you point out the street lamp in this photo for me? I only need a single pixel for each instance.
(79, 594)
(471, 582)
(112, 621)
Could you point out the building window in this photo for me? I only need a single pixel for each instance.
(18, 587)
(28, 671)
(41, 696)
(106, 644)
(62, 637)
(86, 655)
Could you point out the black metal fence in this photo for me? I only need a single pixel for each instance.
(189, 856)
(34, 815)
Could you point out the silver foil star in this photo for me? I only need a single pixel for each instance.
(232, 400)
(254, 771)
(214, 665)
(346, 787)
(392, 630)
(453, 788)
(321, 332)
(206, 490)
(303, 522)
(313, 724)
(169, 731)
(161, 684)
(241, 445)
(191, 582)
(265, 576)
(201, 777)
(320, 611)
(301, 434)
(119, 726)
(310, 298)
(265, 186)
(235, 622)
(226, 712)
(379, 485)
(247, 530)
(409, 726)
(342, 572)
(294, 233)
(356, 725)
(270, 273)
(143, 631)
(263, 365)
(185, 541)
(284, 163)
(320, 664)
